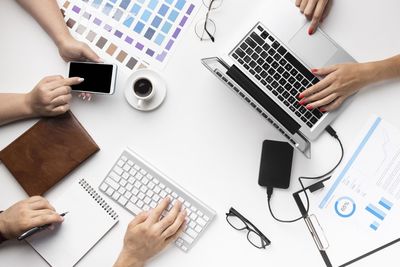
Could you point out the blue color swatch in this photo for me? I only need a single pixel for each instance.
(139, 27)
(163, 10)
(146, 15)
(128, 22)
(156, 22)
(166, 27)
(173, 15)
(149, 33)
(135, 9)
(153, 4)
(180, 4)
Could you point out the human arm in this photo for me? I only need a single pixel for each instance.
(26, 214)
(343, 80)
(314, 10)
(48, 15)
(147, 234)
(50, 97)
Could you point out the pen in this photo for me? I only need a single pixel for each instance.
(36, 229)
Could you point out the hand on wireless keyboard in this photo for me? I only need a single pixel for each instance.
(150, 232)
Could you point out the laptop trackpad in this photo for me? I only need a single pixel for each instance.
(315, 50)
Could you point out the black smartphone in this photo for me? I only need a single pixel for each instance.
(99, 77)
(276, 164)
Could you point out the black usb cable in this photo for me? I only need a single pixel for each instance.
(270, 190)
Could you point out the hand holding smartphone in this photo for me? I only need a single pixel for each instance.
(99, 77)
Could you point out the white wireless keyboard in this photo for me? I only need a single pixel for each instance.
(137, 186)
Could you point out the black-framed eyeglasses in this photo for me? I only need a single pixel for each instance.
(239, 222)
(206, 28)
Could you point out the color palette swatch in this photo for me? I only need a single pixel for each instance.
(137, 33)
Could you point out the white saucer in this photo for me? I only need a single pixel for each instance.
(160, 90)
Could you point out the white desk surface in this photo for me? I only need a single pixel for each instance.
(203, 136)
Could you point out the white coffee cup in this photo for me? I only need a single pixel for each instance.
(143, 90)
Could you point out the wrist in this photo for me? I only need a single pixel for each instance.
(27, 106)
(384, 69)
(126, 260)
(2, 230)
(63, 39)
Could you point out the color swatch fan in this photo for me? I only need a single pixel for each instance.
(137, 33)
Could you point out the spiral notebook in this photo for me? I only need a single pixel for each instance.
(89, 218)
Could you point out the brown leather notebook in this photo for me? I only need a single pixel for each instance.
(47, 152)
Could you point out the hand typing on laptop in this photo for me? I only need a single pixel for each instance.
(343, 80)
(26, 214)
(147, 234)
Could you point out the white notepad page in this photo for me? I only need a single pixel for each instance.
(89, 218)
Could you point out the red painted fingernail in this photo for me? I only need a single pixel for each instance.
(322, 110)
(314, 70)
(310, 31)
(309, 107)
(300, 96)
(302, 102)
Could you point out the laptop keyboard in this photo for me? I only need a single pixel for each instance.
(278, 70)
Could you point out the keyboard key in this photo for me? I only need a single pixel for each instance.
(280, 70)
(112, 183)
(198, 228)
(266, 47)
(240, 53)
(118, 170)
(110, 191)
(201, 221)
(258, 49)
(286, 75)
(282, 50)
(251, 43)
(272, 39)
(294, 72)
(257, 38)
(270, 59)
(187, 238)
(260, 61)
(116, 195)
(122, 200)
(264, 54)
(192, 233)
(103, 187)
(244, 46)
(264, 35)
(260, 28)
(288, 67)
(271, 52)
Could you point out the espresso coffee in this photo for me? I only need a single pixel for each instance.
(142, 87)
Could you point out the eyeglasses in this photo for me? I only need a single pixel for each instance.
(255, 237)
(206, 28)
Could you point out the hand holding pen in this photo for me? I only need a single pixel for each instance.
(36, 229)
(27, 214)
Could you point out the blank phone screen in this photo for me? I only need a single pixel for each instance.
(97, 77)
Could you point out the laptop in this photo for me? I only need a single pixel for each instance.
(268, 64)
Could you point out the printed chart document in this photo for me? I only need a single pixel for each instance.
(358, 210)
